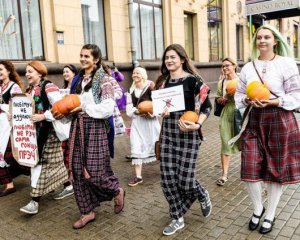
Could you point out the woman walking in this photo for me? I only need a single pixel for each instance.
(94, 180)
(226, 126)
(50, 171)
(180, 140)
(144, 127)
(271, 141)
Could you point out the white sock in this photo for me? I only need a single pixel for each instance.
(254, 191)
(274, 194)
(139, 177)
(70, 187)
(180, 219)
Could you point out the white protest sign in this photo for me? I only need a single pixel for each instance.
(24, 140)
(172, 98)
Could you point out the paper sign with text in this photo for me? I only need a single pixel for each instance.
(172, 98)
(24, 140)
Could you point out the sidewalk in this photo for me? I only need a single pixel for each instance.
(146, 211)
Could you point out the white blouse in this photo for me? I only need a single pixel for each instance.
(281, 76)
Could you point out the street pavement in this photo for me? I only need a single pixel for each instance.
(146, 210)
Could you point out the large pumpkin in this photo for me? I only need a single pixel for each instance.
(190, 116)
(231, 86)
(257, 90)
(66, 105)
(145, 107)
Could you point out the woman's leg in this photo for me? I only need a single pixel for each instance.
(255, 193)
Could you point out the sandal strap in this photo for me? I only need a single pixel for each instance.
(259, 217)
(269, 221)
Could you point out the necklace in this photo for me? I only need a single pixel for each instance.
(264, 70)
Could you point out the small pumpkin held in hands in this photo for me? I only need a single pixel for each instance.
(231, 87)
(190, 116)
(145, 107)
(66, 105)
(257, 90)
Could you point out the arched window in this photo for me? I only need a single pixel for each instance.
(20, 30)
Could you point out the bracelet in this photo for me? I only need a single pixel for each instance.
(200, 125)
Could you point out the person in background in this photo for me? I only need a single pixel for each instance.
(229, 67)
(93, 179)
(10, 83)
(50, 171)
(180, 140)
(270, 143)
(69, 72)
(145, 128)
(116, 74)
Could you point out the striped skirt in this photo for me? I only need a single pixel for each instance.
(54, 172)
(271, 147)
(179, 153)
(89, 149)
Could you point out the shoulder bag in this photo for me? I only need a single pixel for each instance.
(218, 107)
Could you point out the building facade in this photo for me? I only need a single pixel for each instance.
(132, 32)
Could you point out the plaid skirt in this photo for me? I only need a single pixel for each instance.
(7, 174)
(179, 153)
(271, 147)
(54, 172)
(89, 149)
(66, 152)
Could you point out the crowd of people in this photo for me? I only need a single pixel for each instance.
(269, 139)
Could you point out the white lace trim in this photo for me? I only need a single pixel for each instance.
(140, 161)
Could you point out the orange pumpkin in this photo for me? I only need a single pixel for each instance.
(231, 87)
(60, 107)
(65, 105)
(145, 107)
(190, 116)
(72, 101)
(257, 90)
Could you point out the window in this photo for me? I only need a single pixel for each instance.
(20, 30)
(239, 42)
(93, 24)
(188, 34)
(149, 30)
(215, 35)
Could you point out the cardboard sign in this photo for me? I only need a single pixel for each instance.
(172, 98)
(24, 140)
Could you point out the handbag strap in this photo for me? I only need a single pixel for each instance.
(260, 78)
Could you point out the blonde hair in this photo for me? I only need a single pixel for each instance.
(233, 61)
(281, 48)
(144, 74)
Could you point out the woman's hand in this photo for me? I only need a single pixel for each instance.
(187, 126)
(265, 103)
(57, 115)
(38, 117)
(222, 100)
(147, 115)
(165, 113)
(76, 110)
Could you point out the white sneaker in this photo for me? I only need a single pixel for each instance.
(173, 227)
(31, 208)
(66, 192)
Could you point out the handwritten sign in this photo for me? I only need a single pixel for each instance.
(24, 140)
(172, 98)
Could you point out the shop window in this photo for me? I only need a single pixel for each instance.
(93, 24)
(296, 41)
(188, 35)
(215, 29)
(20, 30)
(149, 29)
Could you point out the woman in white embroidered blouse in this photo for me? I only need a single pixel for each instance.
(271, 141)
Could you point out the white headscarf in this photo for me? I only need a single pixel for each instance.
(143, 72)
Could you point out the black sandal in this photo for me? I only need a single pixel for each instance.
(264, 230)
(252, 225)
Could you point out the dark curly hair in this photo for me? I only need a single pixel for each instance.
(13, 75)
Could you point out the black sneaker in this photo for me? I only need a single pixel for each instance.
(205, 204)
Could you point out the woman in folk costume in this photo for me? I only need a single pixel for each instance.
(144, 127)
(50, 171)
(271, 141)
(93, 179)
(10, 83)
(180, 140)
